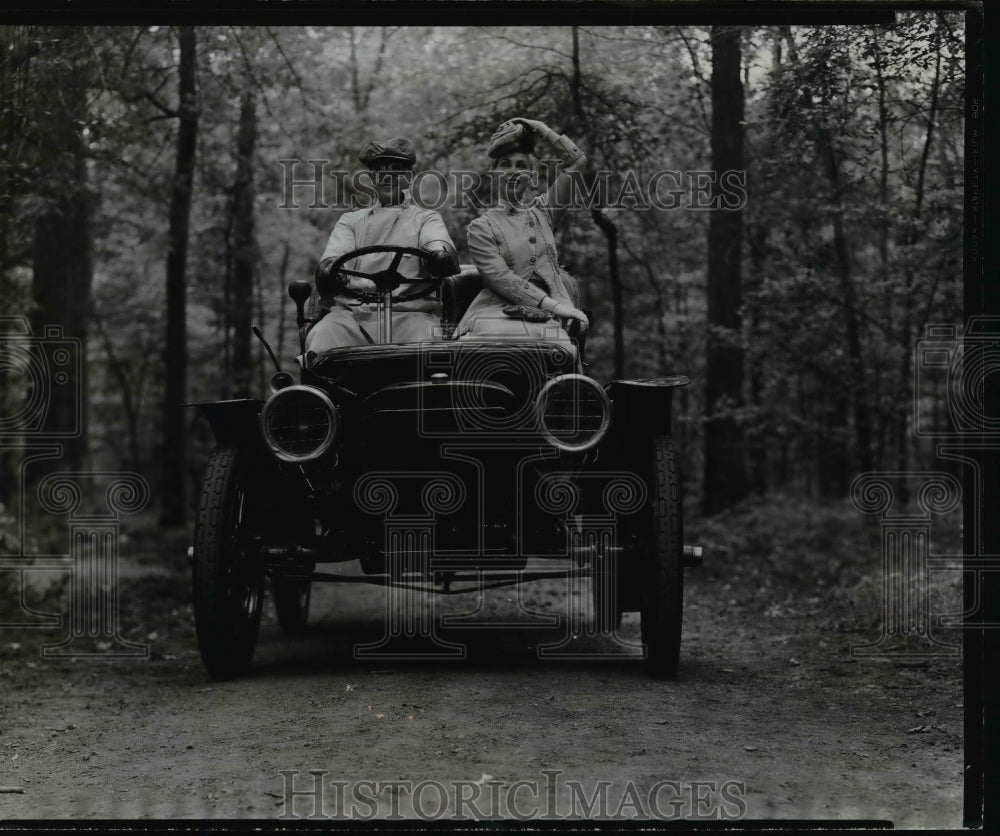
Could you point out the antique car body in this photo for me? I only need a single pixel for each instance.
(443, 466)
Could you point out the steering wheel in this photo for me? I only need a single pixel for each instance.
(386, 280)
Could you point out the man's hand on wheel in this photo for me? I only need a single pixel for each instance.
(441, 263)
(358, 283)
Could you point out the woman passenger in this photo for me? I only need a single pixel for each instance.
(513, 247)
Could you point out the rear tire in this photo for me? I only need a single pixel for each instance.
(227, 579)
(660, 564)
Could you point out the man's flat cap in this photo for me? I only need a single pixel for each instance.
(396, 149)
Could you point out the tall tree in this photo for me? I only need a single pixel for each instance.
(602, 220)
(243, 247)
(175, 355)
(61, 252)
(725, 467)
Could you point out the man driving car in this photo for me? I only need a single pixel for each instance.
(394, 221)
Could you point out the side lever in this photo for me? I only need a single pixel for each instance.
(263, 342)
(573, 330)
(300, 292)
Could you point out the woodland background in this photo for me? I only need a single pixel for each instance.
(139, 208)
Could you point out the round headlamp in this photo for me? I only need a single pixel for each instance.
(299, 423)
(573, 412)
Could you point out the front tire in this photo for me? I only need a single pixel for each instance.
(660, 564)
(228, 580)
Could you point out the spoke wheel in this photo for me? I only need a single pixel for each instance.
(228, 580)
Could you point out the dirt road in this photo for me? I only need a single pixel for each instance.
(770, 717)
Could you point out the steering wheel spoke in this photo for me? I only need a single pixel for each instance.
(387, 280)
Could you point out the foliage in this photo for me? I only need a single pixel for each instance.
(883, 103)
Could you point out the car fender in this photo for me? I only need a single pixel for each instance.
(643, 406)
(234, 422)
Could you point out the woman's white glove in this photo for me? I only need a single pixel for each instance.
(564, 310)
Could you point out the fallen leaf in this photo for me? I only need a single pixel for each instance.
(794, 662)
(750, 748)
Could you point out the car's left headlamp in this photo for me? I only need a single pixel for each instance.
(299, 423)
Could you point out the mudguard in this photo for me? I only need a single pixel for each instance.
(233, 422)
(643, 406)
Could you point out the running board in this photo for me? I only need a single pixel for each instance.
(693, 556)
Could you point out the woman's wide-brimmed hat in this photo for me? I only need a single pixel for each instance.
(510, 137)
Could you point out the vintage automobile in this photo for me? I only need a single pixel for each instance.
(445, 466)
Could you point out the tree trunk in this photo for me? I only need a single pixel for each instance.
(243, 249)
(119, 373)
(859, 388)
(175, 351)
(883, 239)
(852, 330)
(903, 434)
(61, 246)
(831, 462)
(725, 468)
(758, 435)
(279, 349)
(610, 231)
(606, 225)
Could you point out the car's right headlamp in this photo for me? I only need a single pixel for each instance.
(573, 412)
(299, 423)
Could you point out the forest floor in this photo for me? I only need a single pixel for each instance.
(769, 717)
